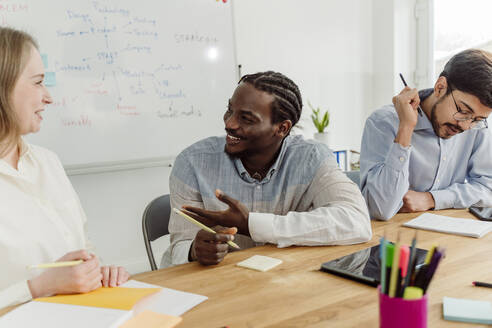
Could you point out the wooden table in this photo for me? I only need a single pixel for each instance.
(297, 294)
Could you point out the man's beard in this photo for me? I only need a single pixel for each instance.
(435, 123)
(240, 154)
(433, 119)
(248, 152)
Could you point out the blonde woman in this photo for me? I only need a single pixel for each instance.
(41, 219)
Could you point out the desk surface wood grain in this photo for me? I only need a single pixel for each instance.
(297, 294)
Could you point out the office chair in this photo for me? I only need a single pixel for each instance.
(155, 221)
(354, 176)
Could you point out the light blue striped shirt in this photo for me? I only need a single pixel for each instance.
(457, 171)
(304, 200)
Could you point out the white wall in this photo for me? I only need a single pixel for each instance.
(394, 48)
(325, 46)
(114, 203)
(344, 55)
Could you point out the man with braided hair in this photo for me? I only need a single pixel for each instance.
(260, 182)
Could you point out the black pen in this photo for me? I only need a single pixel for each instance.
(421, 275)
(482, 284)
(411, 262)
(419, 109)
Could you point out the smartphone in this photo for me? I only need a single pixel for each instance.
(483, 213)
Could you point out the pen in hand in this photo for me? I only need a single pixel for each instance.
(54, 264)
(419, 109)
(202, 226)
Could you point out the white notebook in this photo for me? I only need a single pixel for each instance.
(464, 227)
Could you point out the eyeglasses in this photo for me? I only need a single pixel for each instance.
(463, 116)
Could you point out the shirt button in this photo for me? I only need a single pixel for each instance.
(444, 158)
(402, 159)
(437, 180)
(258, 187)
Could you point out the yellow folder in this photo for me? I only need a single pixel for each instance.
(120, 298)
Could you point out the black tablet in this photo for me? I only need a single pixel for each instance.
(363, 266)
(483, 213)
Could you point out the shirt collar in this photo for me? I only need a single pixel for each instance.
(245, 175)
(25, 153)
(423, 122)
(25, 148)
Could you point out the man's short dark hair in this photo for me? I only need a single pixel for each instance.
(470, 71)
(288, 102)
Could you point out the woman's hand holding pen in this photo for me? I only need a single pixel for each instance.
(406, 104)
(81, 278)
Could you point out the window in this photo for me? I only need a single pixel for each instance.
(460, 25)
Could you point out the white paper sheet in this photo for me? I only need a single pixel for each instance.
(464, 227)
(52, 315)
(167, 301)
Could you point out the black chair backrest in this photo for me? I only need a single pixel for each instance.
(155, 221)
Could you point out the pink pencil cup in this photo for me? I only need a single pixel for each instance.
(395, 312)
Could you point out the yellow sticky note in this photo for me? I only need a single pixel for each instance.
(259, 263)
(105, 297)
(149, 319)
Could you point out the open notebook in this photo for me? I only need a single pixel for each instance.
(49, 314)
(464, 227)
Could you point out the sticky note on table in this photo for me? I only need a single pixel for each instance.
(50, 79)
(259, 263)
(464, 310)
(112, 298)
(150, 319)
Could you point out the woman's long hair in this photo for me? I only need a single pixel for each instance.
(15, 47)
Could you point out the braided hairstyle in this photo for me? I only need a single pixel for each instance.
(288, 102)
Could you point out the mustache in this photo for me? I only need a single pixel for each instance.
(234, 134)
(456, 127)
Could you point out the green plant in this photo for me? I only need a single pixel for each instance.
(320, 120)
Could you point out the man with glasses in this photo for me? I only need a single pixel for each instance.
(442, 159)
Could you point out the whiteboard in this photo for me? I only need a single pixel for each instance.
(134, 80)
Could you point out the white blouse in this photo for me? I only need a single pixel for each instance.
(41, 219)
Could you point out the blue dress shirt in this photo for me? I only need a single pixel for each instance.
(304, 199)
(457, 171)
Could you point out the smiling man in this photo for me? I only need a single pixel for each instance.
(258, 180)
(442, 159)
